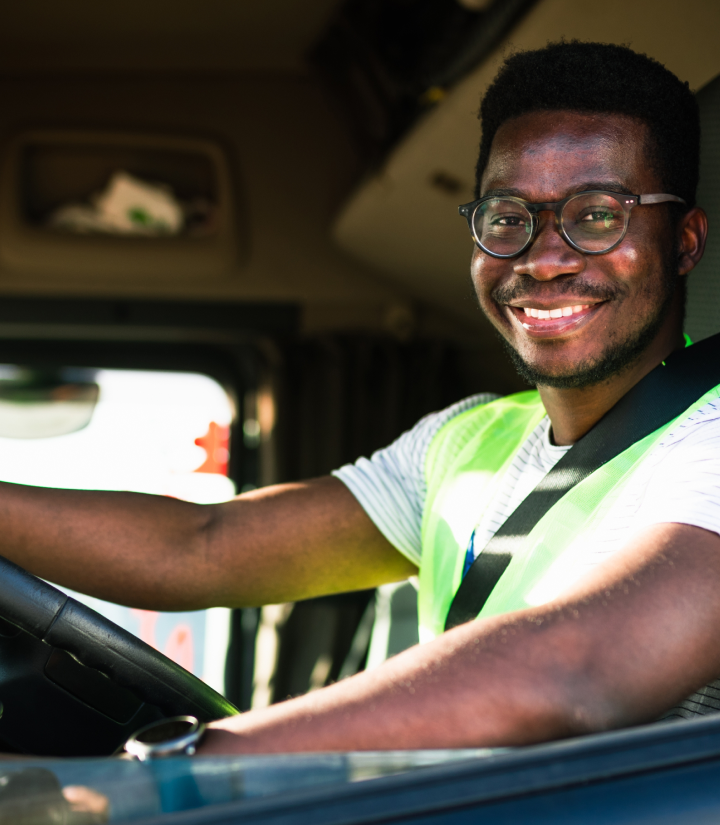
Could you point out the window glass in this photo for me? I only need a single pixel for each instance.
(165, 433)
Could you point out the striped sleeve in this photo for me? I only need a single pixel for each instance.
(390, 485)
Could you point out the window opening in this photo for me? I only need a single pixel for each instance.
(165, 433)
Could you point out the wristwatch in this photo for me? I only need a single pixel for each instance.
(175, 736)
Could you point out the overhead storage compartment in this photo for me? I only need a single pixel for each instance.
(114, 203)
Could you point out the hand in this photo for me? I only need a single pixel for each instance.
(87, 806)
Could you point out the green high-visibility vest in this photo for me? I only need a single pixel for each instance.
(465, 464)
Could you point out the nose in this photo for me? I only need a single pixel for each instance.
(549, 255)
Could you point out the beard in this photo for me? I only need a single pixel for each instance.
(617, 356)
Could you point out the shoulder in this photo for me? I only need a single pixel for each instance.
(690, 448)
(390, 485)
(463, 430)
(702, 426)
(680, 479)
(407, 455)
(421, 435)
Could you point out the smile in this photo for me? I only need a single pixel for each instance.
(551, 322)
(560, 312)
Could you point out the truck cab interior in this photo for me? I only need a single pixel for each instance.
(230, 256)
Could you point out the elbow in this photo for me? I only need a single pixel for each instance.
(558, 692)
(582, 703)
(202, 541)
(584, 715)
(560, 680)
(206, 535)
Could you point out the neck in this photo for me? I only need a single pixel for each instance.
(573, 412)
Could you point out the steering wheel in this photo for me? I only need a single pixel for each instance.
(73, 683)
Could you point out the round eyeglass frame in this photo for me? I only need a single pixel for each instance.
(468, 210)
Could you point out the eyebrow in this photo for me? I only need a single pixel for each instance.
(588, 186)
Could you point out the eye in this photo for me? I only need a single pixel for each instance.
(599, 216)
(508, 219)
(503, 218)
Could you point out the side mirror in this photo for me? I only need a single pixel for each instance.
(41, 403)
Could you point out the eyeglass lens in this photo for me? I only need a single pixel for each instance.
(593, 222)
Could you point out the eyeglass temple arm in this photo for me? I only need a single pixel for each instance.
(659, 199)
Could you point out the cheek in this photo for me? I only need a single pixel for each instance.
(640, 262)
(638, 270)
(624, 270)
(485, 275)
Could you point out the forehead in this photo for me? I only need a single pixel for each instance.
(547, 155)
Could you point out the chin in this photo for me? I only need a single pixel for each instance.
(579, 374)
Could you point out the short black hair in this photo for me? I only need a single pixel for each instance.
(601, 78)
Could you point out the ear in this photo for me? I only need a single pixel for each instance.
(692, 234)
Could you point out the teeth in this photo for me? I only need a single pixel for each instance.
(561, 312)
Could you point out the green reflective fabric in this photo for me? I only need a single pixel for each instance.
(465, 464)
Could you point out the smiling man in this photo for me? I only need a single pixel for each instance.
(585, 227)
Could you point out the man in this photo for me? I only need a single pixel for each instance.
(616, 624)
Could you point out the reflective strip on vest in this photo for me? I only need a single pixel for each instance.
(465, 465)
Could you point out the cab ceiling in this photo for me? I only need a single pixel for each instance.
(235, 71)
(229, 71)
(160, 35)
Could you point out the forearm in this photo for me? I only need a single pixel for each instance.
(131, 548)
(460, 690)
(626, 644)
(277, 544)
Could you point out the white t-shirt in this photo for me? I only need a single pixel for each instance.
(679, 481)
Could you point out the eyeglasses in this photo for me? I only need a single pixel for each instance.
(592, 222)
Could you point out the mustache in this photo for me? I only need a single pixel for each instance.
(512, 292)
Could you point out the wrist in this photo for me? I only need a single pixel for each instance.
(176, 736)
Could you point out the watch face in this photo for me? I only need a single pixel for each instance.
(168, 737)
(166, 730)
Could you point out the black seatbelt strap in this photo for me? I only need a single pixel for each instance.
(660, 396)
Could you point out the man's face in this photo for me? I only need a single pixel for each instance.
(620, 300)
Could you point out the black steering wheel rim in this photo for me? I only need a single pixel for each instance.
(86, 656)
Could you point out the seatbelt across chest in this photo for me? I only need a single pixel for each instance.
(657, 399)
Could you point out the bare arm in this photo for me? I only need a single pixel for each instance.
(630, 641)
(281, 543)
